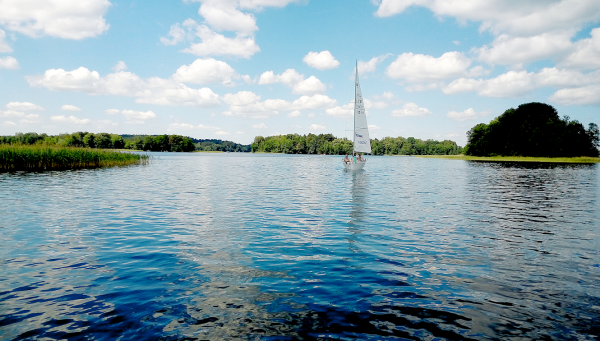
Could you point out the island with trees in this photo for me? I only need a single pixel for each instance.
(331, 145)
(533, 130)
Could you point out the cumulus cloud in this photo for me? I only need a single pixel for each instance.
(316, 127)
(585, 54)
(133, 116)
(370, 66)
(205, 71)
(70, 119)
(525, 31)
(222, 133)
(466, 115)
(217, 44)
(223, 16)
(23, 106)
(520, 83)
(181, 126)
(69, 107)
(523, 18)
(205, 127)
(151, 91)
(4, 47)
(411, 110)
(260, 126)
(247, 104)
(294, 80)
(578, 96)
(423, 68)
(509, 50)
(9, 63)
(321, 60)
(120, 66)
(295, 113)
(68, 19)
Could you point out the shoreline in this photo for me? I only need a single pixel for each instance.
(579, 159)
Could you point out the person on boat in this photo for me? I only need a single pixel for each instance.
(359, 157)
(346, 159)
(354, 157)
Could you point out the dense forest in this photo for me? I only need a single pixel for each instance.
(329, 144)
(533, 129)
(171, 143)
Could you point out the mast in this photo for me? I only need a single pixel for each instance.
(354, 118)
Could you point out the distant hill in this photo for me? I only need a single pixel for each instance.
(202, 144)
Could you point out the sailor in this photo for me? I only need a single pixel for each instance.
(346, 159)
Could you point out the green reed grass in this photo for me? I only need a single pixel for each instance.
(580, 159)
(39, 158)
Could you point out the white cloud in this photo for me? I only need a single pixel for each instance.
(9, 123)
(585, 54)
(69, 107)
(423, 68)
(294, 80)
(150, 91)
(370, 66)
(132, 116)
(23, 106)
(524, 18)
(466, 115)
(212, 43)
(205, 71)
(316, 127)
(373, 127)
(70, 119)
(248, 104)
(106, 123)
(9, 63)
(344, 111)
(181, 126)
(217, 44)
(412, 110)
(120, 66)
(260, 126)
(295, 113)
(223, 16)
(4, 47)
(313, 102)
(222, 133)
(515, 84)
(321, 60)
(68, 19)
(205, 127)
(509, 50)
(578, 96)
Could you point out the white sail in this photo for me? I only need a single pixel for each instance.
(362, 142)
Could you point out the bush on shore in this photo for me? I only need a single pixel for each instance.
(18, 157)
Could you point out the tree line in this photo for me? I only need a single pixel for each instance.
(533, 129)
(160, 143)
(330, 145)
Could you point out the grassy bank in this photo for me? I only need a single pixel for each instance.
(581, 159)
(39, 158)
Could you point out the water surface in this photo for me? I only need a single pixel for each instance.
(278, 247)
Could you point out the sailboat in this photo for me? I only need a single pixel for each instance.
(362, 142)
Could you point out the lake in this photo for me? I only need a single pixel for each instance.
(278, 247)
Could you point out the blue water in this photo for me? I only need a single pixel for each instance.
(276, 247)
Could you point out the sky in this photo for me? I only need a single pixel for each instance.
(235, 69)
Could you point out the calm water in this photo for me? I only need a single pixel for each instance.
(274, 247)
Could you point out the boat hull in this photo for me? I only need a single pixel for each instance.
(355, 165)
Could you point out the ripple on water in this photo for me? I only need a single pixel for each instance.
(237, 246)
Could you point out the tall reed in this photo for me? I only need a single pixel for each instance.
(39, 157)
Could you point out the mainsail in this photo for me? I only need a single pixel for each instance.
(362, 142)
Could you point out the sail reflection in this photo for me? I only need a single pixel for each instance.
(358, 208)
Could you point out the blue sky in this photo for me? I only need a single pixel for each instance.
(234, 69)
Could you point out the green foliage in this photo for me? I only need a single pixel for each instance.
(329, 144)
(38, 157)
(172, 143)
(533, 129)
